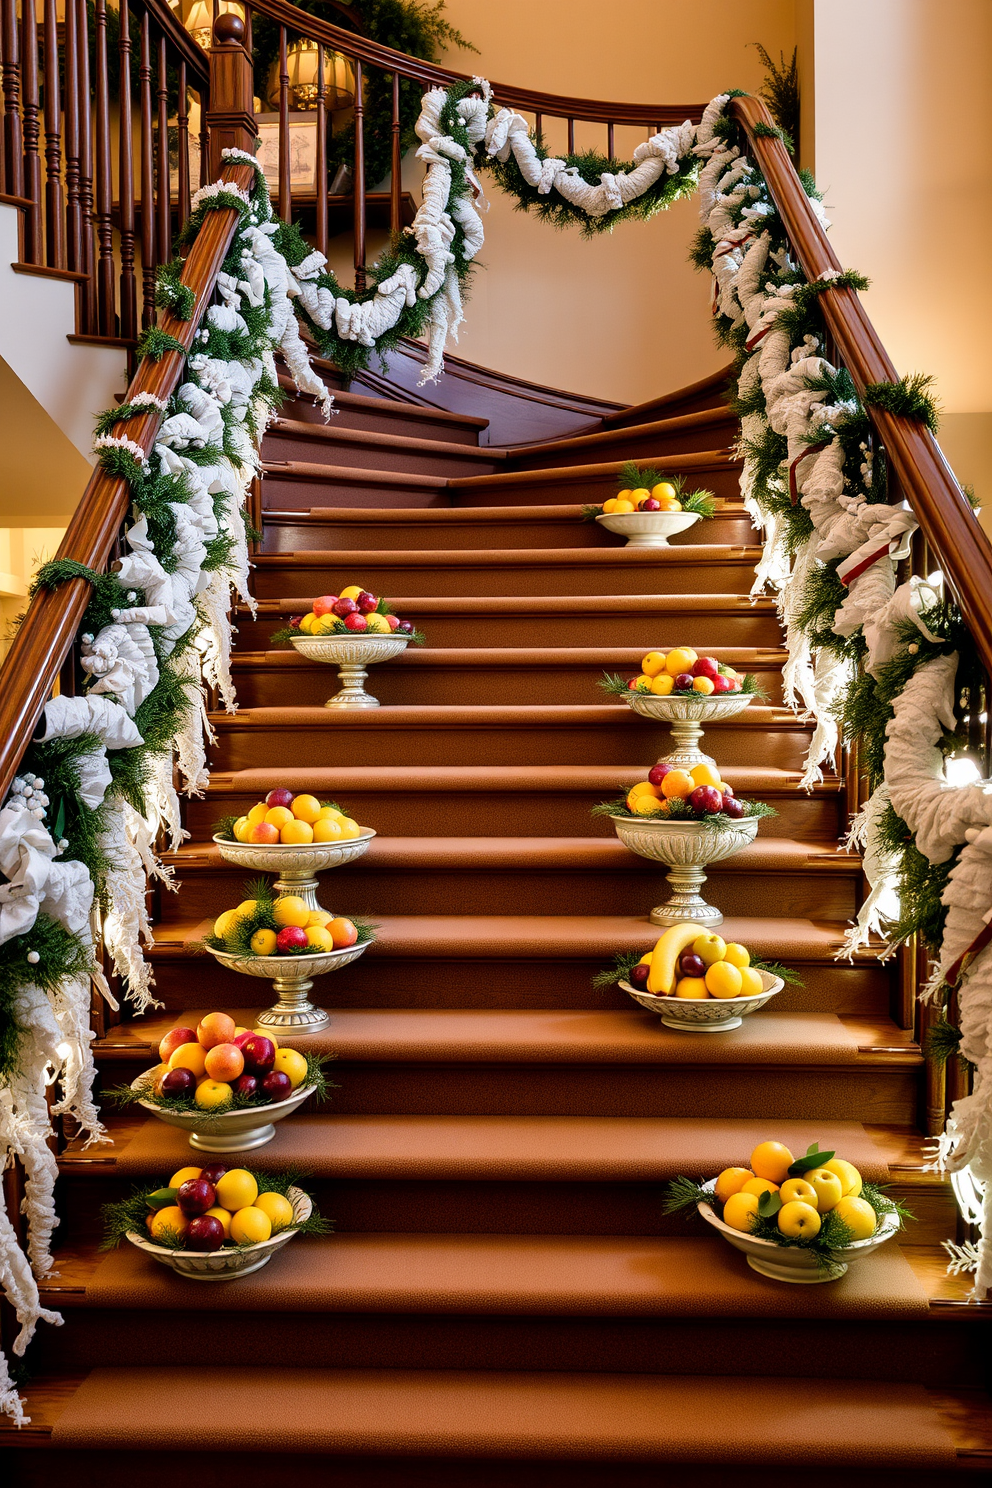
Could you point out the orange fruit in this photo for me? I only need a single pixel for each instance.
(236, 1189)
(664, 491)
(291, 910)
(609, 507)
(641, 683)
(330, 811)
(251, 1223)
(190, 1056)
(326, 829)
(705, 775)
(735, 953)
(693, 989)
(740, 1210)
(215, 1028)
(751, 983)
(648, 806)
(645, 788)
(278, 816)
(759, 1186)
(350, 829)
(306, 808)
(278, 1209)
(731, 1181)
(319, 938)
(183, 1176)
(653, 663)
(296, 832)
(662, 685)
(171, 1219)
(678, 783)
(723, 980)
(636, 497)
(702, 685)
(257, 813)
(622, 507)
(772, 1160)
(682, 659)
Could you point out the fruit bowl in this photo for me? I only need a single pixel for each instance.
(687, 716)
(793, 1263)
(648, 529)
(292, 977)
(687, 847)
(295, 863)
(707, 1015)
(230, 1261)
(227, 1131)
(351, 655)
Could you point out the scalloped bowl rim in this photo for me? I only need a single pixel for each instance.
(735, 1006)
(364, 636)
(660, 823)
(253, 1114)
(888, 1226)
(355, 949)
(710, 699)
(290, 847)
(167, 1252)
(683, 518)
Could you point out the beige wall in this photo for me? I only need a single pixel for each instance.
(22, 551)
(623, 316)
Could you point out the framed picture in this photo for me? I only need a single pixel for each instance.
(302, 150)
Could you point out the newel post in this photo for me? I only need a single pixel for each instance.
(231, 115)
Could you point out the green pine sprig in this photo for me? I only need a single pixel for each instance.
(128, 1216)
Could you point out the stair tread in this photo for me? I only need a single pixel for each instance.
(446, 516)
(659, 428)
(352, 474)
(512, 1415)
(552, 658)
(530, 604)
(483, 715)
(687, 554)
(339, 434)
(550, 1275)
(567, 474)
(359, 401)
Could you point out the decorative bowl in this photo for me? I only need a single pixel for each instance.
(687, 716)
(708, 1015)
(687, 847)
(351, 655)
(791, 1262)
(648, 529)
(295, 863)
(230, 1261)
(228, 1131)
(292, 977)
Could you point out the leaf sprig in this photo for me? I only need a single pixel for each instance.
(128, 1216)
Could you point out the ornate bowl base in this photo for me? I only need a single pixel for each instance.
(247, 1141)
(686, 902)
(702, 1027)
(798, 1278)
(294, 1012)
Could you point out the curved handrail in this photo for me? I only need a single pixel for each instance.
(196, 59)
(46, 635)
(941, 507)
(553, 104)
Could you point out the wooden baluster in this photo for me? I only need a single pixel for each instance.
(285, 207)
(87, 296)
(571, 136)
(147, 175)
(609, 139)
(936, 1072)
(13, 172)
(125, 177)
(106, 312)
(204, 141)
(182, 134)
(537, 126)
(904, 1011)
(396, 166)
(33, 246)
(74, 216)
(321, 161)
(359, 186)
(164, 199)
(958, 1073)
(54, 196)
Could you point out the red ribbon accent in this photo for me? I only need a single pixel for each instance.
(955, 972)
(811, 449)
(752, 342)
(726, 247)
(864, 565)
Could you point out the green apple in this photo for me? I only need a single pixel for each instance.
(709, 948)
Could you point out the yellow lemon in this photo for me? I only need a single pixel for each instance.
(850, 1178)
(327, 829)
(306, 808)
(296, 833)
(241, 828)
(236, 1189)
(350, 829)
(263, 942)
(645, 788)
(693, 989)
(856, 1213)
(662, 685)
(352, 592)
(609, 507)
(653, 663)
(378, 624)
(306, 623)
(723, 980)
(291, 910)
(641, 683)
(332, 812)
(682, 659)
(244, 909)
(250, 1224)
(257, 813)
(324, 625)
(664, 491)
(319, 938)
(705, 774)
(647, 806)
(291, 1063)
(772, 1160)
(751, 983)
(278, 816)
(223, 923)
(224, 1215)
(623, 506)
(734, 952)
(319, 917)
(171, 1220)
(641, 494)
(278, 1209)
(212, 1094)
(191, 1057)
(183, 1176)
(740, 1210)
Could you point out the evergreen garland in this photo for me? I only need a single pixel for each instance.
(60, 956)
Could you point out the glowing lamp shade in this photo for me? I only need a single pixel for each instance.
(301, 65)
(197, 17)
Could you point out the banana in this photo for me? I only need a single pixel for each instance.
(664, 958)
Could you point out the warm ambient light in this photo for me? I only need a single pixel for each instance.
(970, 1194)
(197, 16)
(301, 66)
(961, 770)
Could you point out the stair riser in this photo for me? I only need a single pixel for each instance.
(639, 444)
(286, 536)
(506, 890)
(282, 491)
(306, 578)
(381, 980)
(290, 445)
(437, 1207)
(920, 1353)
(382, 420)
(882, 1096)
(504, 814)
(309, 684)
(697, 627)
(722, 478)
(241, 747)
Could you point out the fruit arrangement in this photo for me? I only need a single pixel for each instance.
(818, 1201)
(292, 820)
(353, 612)
(691, 962)
(682, 673)
(264, 926)
(218, 1066)
(650, 490)
(674, 794)
(211, 1208)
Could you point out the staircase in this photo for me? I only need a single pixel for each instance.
(503, 1297)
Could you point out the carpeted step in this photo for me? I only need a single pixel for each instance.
(520, 735)
(361, 410)
(499, 800)
(662, 438)
(712, 470)
(382, 530)
(641, 621)
(373, 449)
(685, 570)
(296, 484)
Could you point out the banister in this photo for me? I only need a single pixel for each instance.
(376, 55)
(45, 637)
(189, 51)
(941, 507)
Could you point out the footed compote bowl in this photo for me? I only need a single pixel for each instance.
(352, 655)
(687, 847)
(295, 863)
(292, 977)
(648, 529)
(687, 716)
(240, 1130)
(707, 1014)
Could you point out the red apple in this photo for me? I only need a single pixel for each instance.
(277, 1086)
(728, 790)
(706, 666)
(706, 799)
(732, 808)
(174, 1039)
(650, 505)
(242, 1039)
(366, 602)
(638, 976)
(246, 1085)
(178, 1082)
(735, 684)
(722, 684)
(406, 626)
(657, 772)
(259, 1052)
(204, 1233)
(356, 622)
(692, 966)
(392, 622)
(325, 604)
(196, 1196)
(290, 938)
(294, 622)
(213, 1172)
(279, 797)
(264, 832)
(683, 682)
(344, 607)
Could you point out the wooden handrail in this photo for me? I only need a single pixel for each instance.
(46, 635)
(941, 507)
(190, 52)
(373, 53)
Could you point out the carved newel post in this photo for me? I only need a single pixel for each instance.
(231, 115)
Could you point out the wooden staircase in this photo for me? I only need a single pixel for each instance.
(503, 1296)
